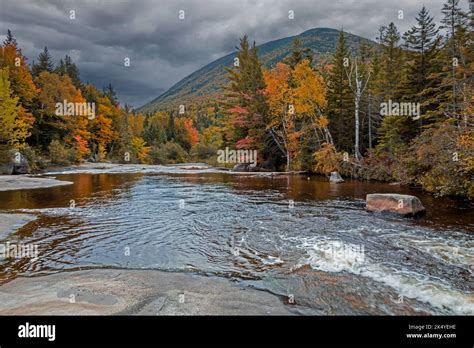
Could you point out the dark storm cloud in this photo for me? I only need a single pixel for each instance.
(162, 48)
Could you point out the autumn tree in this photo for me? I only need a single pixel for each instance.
(22, 84)
(281, 124)
(13, 130)
(296, 109)
(51, 123)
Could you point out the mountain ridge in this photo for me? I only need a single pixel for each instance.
(206, 82)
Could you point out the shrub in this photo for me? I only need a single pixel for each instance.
(174, 153)
(168, 153)
(60, 154)
(327, 159)
(437, 160)
(156, 156)
(35, 160)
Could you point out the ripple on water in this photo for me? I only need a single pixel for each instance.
(171, 223)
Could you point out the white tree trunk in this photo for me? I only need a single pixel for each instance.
(357, 125)
(357, 90)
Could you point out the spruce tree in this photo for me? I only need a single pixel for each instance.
(391, 61)
(45, 63)
(423, 41)
(298, 54)
(340, 104)
(246, 103)
(110, 93)
(10, 40)
(447, 81)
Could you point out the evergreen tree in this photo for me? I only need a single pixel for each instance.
(340, 104)
(45, 63)
(247, 105)
(61, 68)
(423, 41)
(446, 96)
(73, 72)
(110, 93)
(170, 130)
(10, 40)
(298, 54)
(391, 84)
(391, 61)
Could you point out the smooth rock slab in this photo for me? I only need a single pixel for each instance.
(405, 205)
(22, 182)
(134, 292)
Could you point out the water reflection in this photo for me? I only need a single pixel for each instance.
(244, 227)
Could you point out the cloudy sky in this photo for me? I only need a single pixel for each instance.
(164, 48)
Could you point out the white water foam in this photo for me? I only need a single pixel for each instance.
(408, 284)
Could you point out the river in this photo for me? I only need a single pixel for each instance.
(302, 238)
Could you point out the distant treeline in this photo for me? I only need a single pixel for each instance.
(397, 110)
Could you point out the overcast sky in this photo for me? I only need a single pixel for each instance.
(164, 48)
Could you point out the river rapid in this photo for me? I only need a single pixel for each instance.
(302, 238)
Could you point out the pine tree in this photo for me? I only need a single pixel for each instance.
(246, 103)
(390, 83)
(61, 68)
(391, 61)
(10, 40)
(110, 93)
(340, 104)
(45, 63)
(447, 81)
(73, 72)
(423, 42)
(298, 54)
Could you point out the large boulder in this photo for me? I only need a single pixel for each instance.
(20, 164)
(336, 177)
(405, 205)
(16, 164)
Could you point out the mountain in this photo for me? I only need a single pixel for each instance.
(205, 84)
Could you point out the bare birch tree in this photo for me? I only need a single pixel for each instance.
(357, 85)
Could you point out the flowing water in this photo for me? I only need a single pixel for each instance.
(255, 230)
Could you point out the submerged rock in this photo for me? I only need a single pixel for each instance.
(405, 205)
(336, 177)
(241, 167)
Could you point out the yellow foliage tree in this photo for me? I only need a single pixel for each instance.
(140, 149)
(13, 130)
(296, 99)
